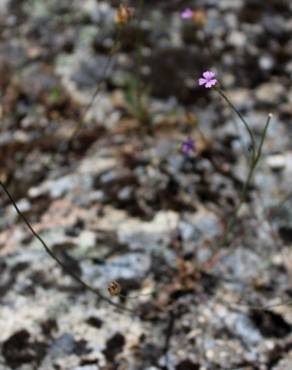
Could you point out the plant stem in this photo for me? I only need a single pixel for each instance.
(113, 50)
(255, 159)
(253, 144)
(139, 43)
(56, 259)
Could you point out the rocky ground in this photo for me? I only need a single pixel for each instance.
(120, 201)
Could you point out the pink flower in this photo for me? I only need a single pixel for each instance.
(208, 79)
(187, 13)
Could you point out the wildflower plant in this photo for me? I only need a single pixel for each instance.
(137, 100)
(123, 16)
(208, 80)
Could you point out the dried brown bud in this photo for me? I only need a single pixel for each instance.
(199, 18)
(114, 288)
(191, 119)
(124, 15)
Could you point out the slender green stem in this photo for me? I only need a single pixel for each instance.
(263, 137)
(255, 159)
(56, 259)
(253, 143)
(139, 43)
(97, 90)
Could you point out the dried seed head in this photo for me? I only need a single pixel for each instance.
(114, 288)
(191, 119)
(124, 15)
(199, 17)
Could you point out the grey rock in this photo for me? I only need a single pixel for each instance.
(237, 39)
(243, 264)
(285, 363)
(269, 93)
(244, 328)
(276, 162)
(266, 62)
(63, 345)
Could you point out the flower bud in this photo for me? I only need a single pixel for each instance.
(199, 18)
(114, 288)
(124, 15)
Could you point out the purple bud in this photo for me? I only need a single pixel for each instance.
(188, 146)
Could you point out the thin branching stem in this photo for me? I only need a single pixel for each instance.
(254, 162)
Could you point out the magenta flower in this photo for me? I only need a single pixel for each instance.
(208, 79)
(188, 146)
(187, 13)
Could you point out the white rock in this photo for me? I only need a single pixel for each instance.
(276, 162)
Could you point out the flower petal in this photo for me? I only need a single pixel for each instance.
(187, 13)
(208, 75)
(211, 83)
(202, 81)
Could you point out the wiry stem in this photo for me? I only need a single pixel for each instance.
(113, 50)
(254, 161)
(139, 46)
(221, 92)
(56, 259)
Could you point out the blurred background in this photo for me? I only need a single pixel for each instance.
(95, 103)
